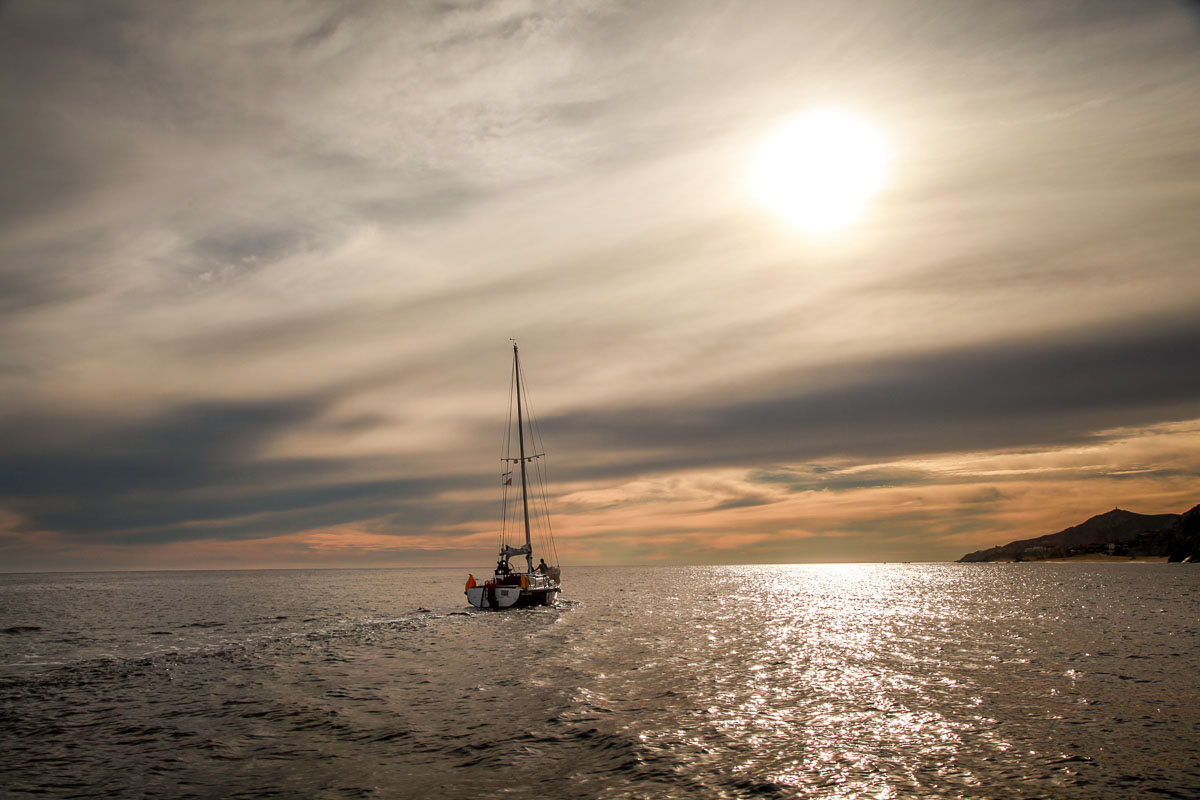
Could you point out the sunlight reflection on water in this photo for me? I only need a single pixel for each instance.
(871, 681)
(861, 680)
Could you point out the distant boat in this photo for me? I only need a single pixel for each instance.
(511, 587)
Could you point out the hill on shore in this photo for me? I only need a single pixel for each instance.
(1117, 532)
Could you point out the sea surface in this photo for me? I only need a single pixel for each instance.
(874, 681)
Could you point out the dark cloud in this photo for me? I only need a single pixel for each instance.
(27, 283)
(993, 396)
(326, 28)
(816, 478)
(245, 250)
(192, 472)
(743, 501)
(398, 508)
(196, 446)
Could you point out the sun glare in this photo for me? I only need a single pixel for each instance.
(820, 169)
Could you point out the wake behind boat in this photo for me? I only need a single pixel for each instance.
(510, 587)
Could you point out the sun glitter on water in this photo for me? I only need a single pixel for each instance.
(820, 169)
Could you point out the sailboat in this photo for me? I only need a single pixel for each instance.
(509, 586)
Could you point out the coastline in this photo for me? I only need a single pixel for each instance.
(1106, 557)
(1092, 557)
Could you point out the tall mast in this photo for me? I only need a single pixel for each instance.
(521, 440)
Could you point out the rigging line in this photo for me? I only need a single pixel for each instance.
(503, 514)
(535, 429)
(537, 439)
(543, 480)
(545, 532)
(547, 523)
(529, 418)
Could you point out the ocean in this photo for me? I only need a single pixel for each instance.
(1076, 680)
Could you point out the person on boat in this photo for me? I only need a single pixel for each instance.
(541, 567)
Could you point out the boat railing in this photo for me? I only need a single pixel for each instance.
(536, 580)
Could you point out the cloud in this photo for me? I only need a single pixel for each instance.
(259, 263)
(927, 508)
(195, 471)
(1003, 395)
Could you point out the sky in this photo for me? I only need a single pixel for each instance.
(260, 264)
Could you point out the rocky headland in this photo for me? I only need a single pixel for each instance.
(1116, 534)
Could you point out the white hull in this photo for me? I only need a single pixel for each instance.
(505, 596)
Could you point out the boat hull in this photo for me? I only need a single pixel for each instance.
(497, 598)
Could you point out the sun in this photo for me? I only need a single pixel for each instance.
(820, 169)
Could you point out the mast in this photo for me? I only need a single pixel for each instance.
(521, 440)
